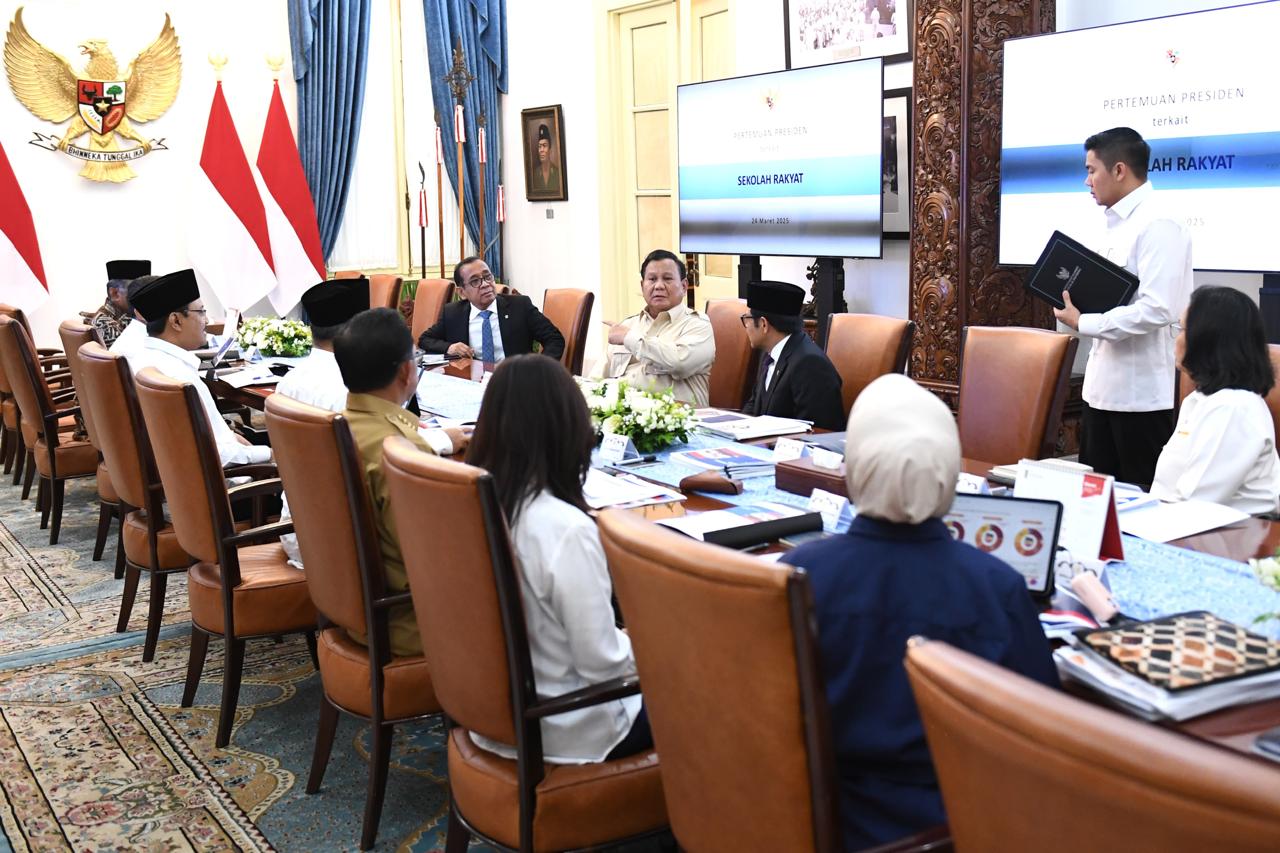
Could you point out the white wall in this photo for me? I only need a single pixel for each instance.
(82, 224)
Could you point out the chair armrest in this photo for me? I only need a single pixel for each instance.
(256, 470)
(259, 535)
(50, 353)
(273, 486)
(595, 694)
(393, 600)
(51, 421)
(936, 839)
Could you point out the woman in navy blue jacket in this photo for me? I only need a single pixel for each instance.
(896, 574)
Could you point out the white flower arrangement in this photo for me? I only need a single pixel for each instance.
(1268, 571)
(652, 419)
(273, 336)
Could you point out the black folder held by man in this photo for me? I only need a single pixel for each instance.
(1096, 284)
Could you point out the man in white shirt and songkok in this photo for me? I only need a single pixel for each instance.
(1129, 379)
(667, 345)
(316, 380)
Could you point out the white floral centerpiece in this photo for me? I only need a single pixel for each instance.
(274, 337)
(653, 420)
(1268, 571)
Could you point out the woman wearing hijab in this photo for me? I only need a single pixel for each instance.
(1224, 447)
(896, 574)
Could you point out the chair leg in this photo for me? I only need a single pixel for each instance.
(155, 614)
(6, 445)
(19, 455)
(58, 490)
(457, 836)
(28, 473)
(311, 647)
(379, 760)
(42, 503)
(131, 575)
(324, 743)
(105, 513)
(231, 672)
(195, 665)
(120, 549)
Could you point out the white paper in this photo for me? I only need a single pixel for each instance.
(601, 490)
(257, 375)
(1164, 522)
(1085, 500)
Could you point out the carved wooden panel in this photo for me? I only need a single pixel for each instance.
(955, 282)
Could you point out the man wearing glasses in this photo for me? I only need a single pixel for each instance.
(487, 326)
(176, 319)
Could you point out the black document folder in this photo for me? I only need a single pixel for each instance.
(1096, 284)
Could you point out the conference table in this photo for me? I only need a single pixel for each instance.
(1230, 728)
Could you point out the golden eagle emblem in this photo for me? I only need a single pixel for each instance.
(99, 101)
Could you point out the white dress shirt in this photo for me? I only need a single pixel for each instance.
(177, 363)
(475, 329)
(573, 641)
(131, 339)
(1223, 450)
(775, 354)
(1131, 365)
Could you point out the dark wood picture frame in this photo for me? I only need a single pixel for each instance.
(536, 125)
(896, 165)
(894, 46)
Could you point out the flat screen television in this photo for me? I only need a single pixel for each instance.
(786, 163)
(1202, 88)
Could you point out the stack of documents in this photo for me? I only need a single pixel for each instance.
(624, 491)
(1157, 521)
(742, 427)
(254, 374)
(745, 526)
(735, 461)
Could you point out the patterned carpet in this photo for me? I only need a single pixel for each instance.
(96, 754)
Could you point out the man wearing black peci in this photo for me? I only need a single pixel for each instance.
(1129, 379)
(796, 378)
(486, 325)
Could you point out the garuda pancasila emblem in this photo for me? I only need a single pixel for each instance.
(99, 101)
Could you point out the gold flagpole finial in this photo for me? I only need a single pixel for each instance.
(275, 62)
(217, 60)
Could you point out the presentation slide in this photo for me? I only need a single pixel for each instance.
(786, 163)
(1204, 92)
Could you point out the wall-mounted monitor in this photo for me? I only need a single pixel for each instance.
(1202, 89)
(786, 163)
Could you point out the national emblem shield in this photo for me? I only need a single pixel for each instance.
(101, 103)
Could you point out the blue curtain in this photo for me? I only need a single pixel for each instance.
(482, 27)
(330, 40)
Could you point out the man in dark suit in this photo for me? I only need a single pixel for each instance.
(796, 379)
(488, 326)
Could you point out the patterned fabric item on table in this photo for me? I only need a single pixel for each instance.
(1186, 650)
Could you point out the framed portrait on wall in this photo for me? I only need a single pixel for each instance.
(545, 178)
(895, 176)
(820, 31)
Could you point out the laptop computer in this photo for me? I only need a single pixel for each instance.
(1022, 532)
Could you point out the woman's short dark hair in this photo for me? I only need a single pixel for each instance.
(1226, 346)
(370, 349)
(534, 433)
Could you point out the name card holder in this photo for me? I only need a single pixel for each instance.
(617, 448)
(836, 511)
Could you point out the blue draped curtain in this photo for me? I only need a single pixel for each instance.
(481, 25)
(330, 40)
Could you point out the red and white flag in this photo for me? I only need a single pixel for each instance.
(227, 237)
(21, 268)
(291, 213)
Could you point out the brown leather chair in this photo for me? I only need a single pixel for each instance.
(736, 364)
(1019, 762)
(1013, 384)
(338, 537)
(242, 586)
(348, 274)
(428, 303)
(864, 347)
(13, 449)
(148, 542)
(467, 599)
(1186, 386)
(74, 335)
(54, 458)
(384, 291)
(569, 310)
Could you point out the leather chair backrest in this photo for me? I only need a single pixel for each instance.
(569, 310)
(864, 347)
(106, 385)
(1013, 384)
(1186, 386)
(428, 303)
(18, 314)
(75, 335)
(320, 468)
(348, 274)
(734, 370)
(1023, 767)
(451, 534)
(29, 388)
(715, 642)
(384, 291)
(187, 460)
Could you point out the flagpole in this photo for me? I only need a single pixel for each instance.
(480, 201)
(422, 216)
(439, 194)
(459, 78)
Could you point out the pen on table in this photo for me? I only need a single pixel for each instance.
(640, 460)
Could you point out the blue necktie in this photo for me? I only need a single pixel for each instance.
(486, 336)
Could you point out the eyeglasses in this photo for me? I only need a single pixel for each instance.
(203, 312)
(476, 281)
(746, 317)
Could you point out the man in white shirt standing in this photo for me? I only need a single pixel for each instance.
(175, 322)
(316, 380)
(1129, 380)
